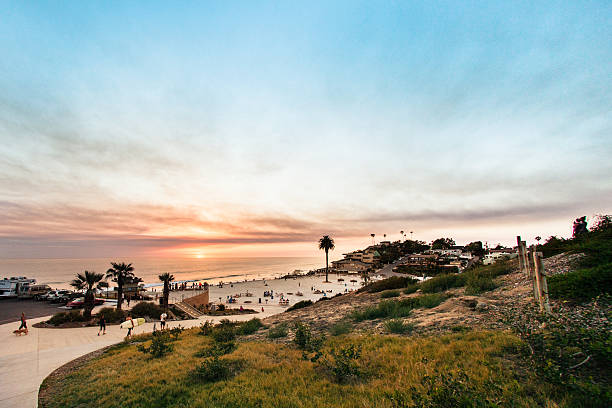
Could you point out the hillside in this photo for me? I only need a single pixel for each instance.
(458, 341)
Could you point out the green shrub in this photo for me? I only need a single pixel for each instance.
(216, 369)
(278, 331)
(65, 317)
(160, 345)
(386, 308)
(581, 285)
(343, 363)
(299, 305)
(206, 328)
(442, 283)
(148, 309)
(410, 289)
(397, 326)
(478, 284)
(249, 327)
(217, 349)
(224, 333)
(112, 315)
(390, 293)
(310, 344)
(340, 328)
(394, 282)
(429, 301)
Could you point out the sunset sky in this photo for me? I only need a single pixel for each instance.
(253, 128)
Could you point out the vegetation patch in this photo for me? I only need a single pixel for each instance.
(278, 331)
(390, 293)
(146, 309)
(394, 282)
(410, 289)
(217, 349)
(384, 309)
(61, 318)
(249, 327)
(300, 305)
(398, 326)
(340, 328)
(216, 369)
(443, 283)
(581, 285)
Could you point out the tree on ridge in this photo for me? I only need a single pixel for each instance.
(326, 243)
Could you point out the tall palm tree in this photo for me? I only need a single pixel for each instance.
(373, 235)
(121, 273)
(89, 281)
(166, 278)
(401, 234)
(326, 243)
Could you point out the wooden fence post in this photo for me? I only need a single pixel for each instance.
(543, 285)
(520, 254)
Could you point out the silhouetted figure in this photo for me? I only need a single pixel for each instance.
(580, 226)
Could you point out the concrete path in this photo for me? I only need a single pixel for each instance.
(25, 361)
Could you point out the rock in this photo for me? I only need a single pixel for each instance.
(481, 307)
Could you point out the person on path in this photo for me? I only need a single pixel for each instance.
(102, 323)
(24, 324)
(129, 333)
(162, 321)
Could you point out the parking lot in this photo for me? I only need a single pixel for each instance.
(10, 309)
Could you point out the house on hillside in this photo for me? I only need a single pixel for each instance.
(350, 265)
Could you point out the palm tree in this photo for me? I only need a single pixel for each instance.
(88, 281)
(121, 273)
(373, 235)
(401, 234)
(326, 243)
(166, 278)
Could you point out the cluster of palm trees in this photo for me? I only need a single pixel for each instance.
(121, 274)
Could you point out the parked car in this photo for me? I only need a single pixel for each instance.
(59, 296)
(34, 291)
(80, 302)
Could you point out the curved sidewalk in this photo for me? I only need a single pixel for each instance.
(25, 361)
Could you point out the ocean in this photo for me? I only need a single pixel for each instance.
(58, 273)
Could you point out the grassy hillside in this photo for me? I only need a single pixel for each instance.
(463, 369)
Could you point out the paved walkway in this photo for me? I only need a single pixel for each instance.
(25, 361)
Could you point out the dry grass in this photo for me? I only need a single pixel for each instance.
(275, 375)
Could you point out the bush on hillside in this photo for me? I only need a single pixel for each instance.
(343, 363)
(278, 331)
(216, 369)
(160, 345)
(146, 309)
(217, 349)
(394, 282)
(442, 283)
(426, 301)
(581, 285)
(410, 289)
(299, 305)
(224, 333)
(390, 293)
(386, 308)
(477, 284)
(309, 343)
(340, 328)
(249, 327)
(397, 326)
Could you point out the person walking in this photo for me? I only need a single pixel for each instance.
(102, 324)
(24, 324)
(162, 321)
(129, 333)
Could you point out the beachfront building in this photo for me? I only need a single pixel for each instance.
(494, 255)
(350, 265)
